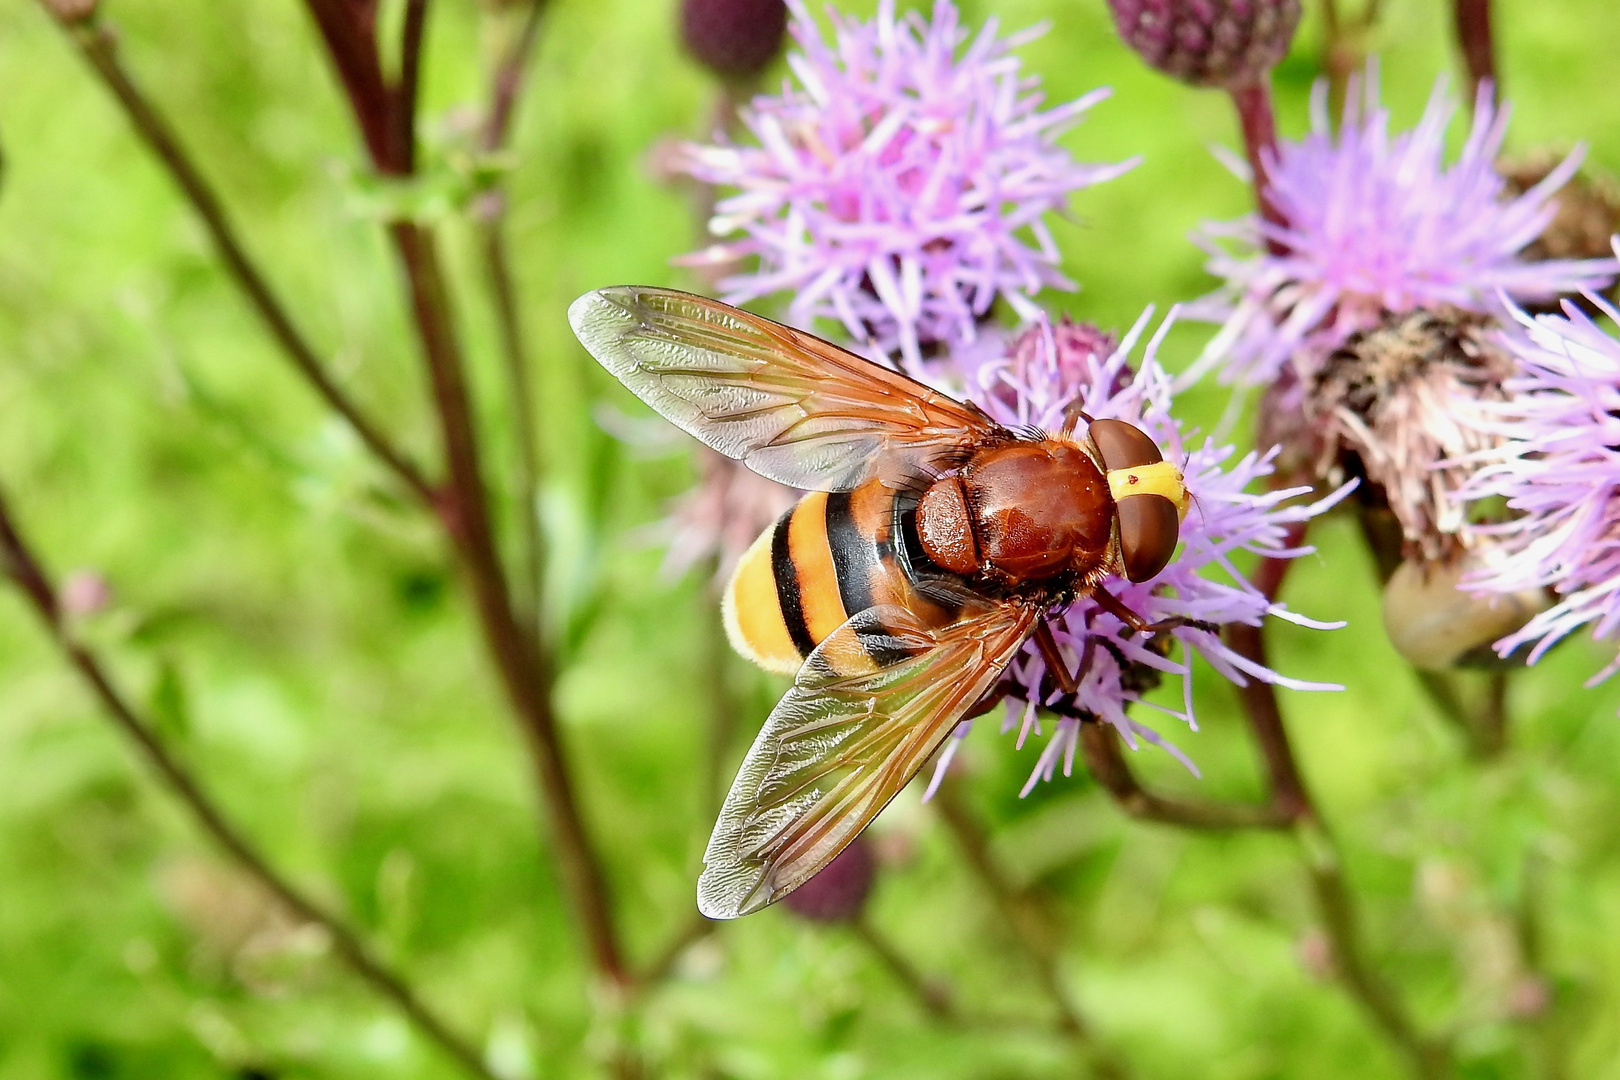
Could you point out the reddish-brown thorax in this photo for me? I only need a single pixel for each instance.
(1021, 512)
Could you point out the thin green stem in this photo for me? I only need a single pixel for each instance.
(506, 85)
(19, 562)
(931, 995)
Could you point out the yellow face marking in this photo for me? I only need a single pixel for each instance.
(1160, 478)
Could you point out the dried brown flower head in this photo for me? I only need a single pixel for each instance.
(1392, 405)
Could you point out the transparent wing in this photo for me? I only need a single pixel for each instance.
(794, 408)
(868, 708)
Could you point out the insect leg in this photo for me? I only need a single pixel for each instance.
(1056, 666)
(1072, 415)
(1112, 604)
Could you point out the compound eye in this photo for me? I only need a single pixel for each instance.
(1123, 446)
(1148, 530)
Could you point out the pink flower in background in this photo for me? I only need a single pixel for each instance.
(1379, 223)
(900, 186)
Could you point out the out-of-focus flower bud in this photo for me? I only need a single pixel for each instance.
(1225, 43)
(85, 592)
(72, 11)
(838, 893)
(1436, 626)
(736, 39)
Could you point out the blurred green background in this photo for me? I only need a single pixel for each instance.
(301, 636)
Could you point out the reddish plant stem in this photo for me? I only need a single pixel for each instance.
(350, 33)
(524, 666)
(1478, 47)
(507, 84)
(1259, 126)
(403, 96)
(1100, 744)
(525, 669)
(18, 561)
(98, 45)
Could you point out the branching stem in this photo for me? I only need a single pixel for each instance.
(526, 669)
(22, 566)
(1100, 744)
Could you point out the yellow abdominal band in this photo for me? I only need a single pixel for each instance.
(1159, 478)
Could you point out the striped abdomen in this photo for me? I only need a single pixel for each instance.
(829, 557)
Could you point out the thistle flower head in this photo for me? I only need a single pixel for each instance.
(1378, 223)
(1559, 468)
(899, 187)
(1226, 43)
(1201, 584)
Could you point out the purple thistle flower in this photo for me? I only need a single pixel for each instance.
(1378, 223)
(900, 187)
(1226, 517)
(1560, 470)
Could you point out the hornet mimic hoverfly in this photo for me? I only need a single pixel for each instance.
(930, 547)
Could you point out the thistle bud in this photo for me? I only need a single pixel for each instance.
(736, 39)
(839, 891)
(1056, 363)
(1224, 43)
(1435, 626)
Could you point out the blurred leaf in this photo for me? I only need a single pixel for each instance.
(167, 703)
